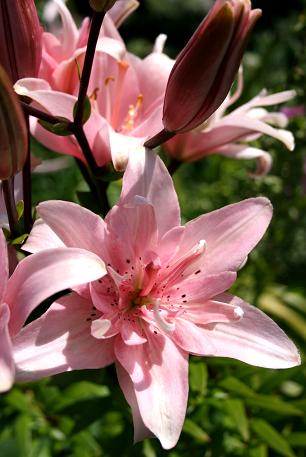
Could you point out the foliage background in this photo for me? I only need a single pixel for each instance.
(234, 409)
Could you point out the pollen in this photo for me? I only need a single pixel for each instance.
(133, 111)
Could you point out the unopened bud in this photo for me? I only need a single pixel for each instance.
(13, 131)
(20, 38)
(205, 69)
(101, 5)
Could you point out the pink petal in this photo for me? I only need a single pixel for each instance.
(153, 73)
(60, 341)
(121, 10)
(70, 32)
(147, 176)
(42, 237)
(4, 267)
(230, 234)
(41, 275)
(159, 371)
(262, 99)
(169, 244)
(54, 102)
(255, 125)
(243, 152)
(134, 228)
(109, 29)
(130, 335)
(26, 85)
(255, 339)
(74, 225)
(7, 366)
(190, 338)
(200, 288)
(122, 147)
(140, 430)
(60, 144)
(151, 120)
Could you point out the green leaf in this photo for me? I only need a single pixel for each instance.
(23, 430)
(273, 404)
(148, 450)
(60, 129)
(198, 378)
(20, 208)
(236, 386)
(8, 448)
(272, 437)
(259, 451)
(236, 410)
(192, 429)
(19, 240)
(80, 391)
(86, 111)
(297, 439)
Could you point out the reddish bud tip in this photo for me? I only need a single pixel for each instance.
(13, 131)
(20, 38)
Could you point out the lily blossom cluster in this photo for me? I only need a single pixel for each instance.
(229, 133)
(163, 296)
(126, 92)
(138, 289)
(132, 99)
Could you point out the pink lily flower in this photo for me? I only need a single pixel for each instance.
(228, 133)
(126, 92)
(164, 296)
(36, 278)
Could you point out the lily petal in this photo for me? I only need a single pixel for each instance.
(7, 366)
(74, 225)
(230, 234)
(160, 391)
(255, 339)
(146, 175)
(4, 267)
(60, 341)
(42, 237)
(41, 275)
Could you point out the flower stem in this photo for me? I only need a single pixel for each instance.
(27, 186)
(173, 166)
(98, 188)
(84, 145)
(9, 198)
(159, 138)
(95, 27)
(30, 110)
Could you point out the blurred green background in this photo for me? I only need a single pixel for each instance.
(234, 409)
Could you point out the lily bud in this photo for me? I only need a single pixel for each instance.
(101, 5)
(13, 131)
(20, 39)
(206, 68)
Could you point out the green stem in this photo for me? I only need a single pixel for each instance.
(159, 139)
(27, 186)
(98, 188)
(94, 32)
(173, 166)
(9, 198)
